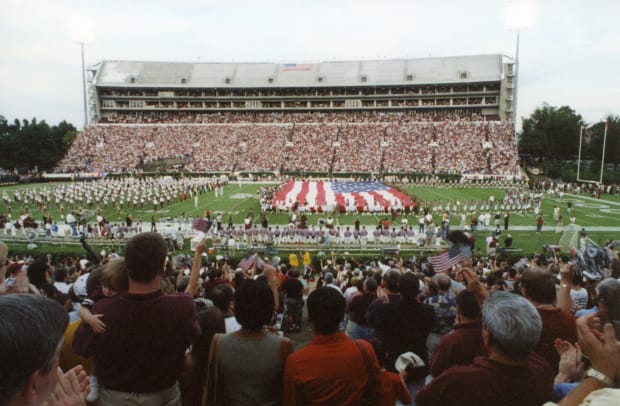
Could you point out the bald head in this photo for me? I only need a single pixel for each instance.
(443, 283)
(538, 285)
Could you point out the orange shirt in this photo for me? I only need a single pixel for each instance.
(328, 371)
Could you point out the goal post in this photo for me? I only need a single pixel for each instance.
(600, 181)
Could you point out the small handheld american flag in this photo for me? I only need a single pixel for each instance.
(459, 250)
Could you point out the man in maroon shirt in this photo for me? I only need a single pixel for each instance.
(139, 357)
(511, 374)
(357, 310)
(464, 342)
(538, 286)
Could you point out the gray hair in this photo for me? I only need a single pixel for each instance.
(31, 329)
(329, 277)
(513, 323)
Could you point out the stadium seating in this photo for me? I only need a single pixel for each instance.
(329, 142)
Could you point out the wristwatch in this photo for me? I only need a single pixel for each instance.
(593, 373)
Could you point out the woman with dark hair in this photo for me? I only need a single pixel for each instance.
(245, 367)
(195, 370)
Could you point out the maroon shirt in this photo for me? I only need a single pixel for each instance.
(556, 323)
(459, 347)
(143, 347)
(486, 382)
(358, 306)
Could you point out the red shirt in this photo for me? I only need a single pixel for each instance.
(392, 389)
(459, 347)
(556, 323)
(486, 383)
(328, 371)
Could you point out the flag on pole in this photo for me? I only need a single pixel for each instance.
(447, 260)
(297, 67)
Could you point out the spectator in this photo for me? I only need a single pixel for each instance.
(246, 366)
(195, 370)
(403, 326)
(511, 328)
(293, 291)
(31, 332)
(603, 350)
(60, 280)
(464, 342)
(358, 307)
(444, 306)
(222, 296)
(393, 386)
(320, 373)
(145, 331)
(538, 286)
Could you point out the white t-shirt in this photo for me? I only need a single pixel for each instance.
(580, 297)
(231, 325)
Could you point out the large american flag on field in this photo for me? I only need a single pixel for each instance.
(319, 194)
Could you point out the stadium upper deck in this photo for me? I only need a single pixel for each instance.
(131, 91)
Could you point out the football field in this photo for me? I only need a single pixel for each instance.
(599, 217)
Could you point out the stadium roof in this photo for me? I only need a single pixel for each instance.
(456, 69)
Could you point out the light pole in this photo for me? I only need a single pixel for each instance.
(83, 83)
(520, 14)
(516, 84)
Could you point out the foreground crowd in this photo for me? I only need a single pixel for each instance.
(144, 329)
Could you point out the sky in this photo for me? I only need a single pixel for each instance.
(569, 49)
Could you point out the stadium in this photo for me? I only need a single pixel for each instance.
(331, 172)
(374, 139)
(394, 116)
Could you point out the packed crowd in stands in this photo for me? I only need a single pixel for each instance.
(455, 147)
(386, 331)
(181, 117)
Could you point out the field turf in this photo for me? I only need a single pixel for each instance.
(600, 218)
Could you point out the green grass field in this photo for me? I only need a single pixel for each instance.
(601, 218)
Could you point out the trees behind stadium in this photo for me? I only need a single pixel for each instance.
(26, 145)
(550, 140)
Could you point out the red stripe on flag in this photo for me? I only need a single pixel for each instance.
(281, 195)
(320, 194)
(378, 198)
(301, 196)
(359, 200)
(443, 262)
(340, 200)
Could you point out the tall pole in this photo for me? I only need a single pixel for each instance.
(603, 157)
(579, 158)
(84, 84)
(516, 82)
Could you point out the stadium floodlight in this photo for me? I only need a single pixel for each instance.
(520, 14)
